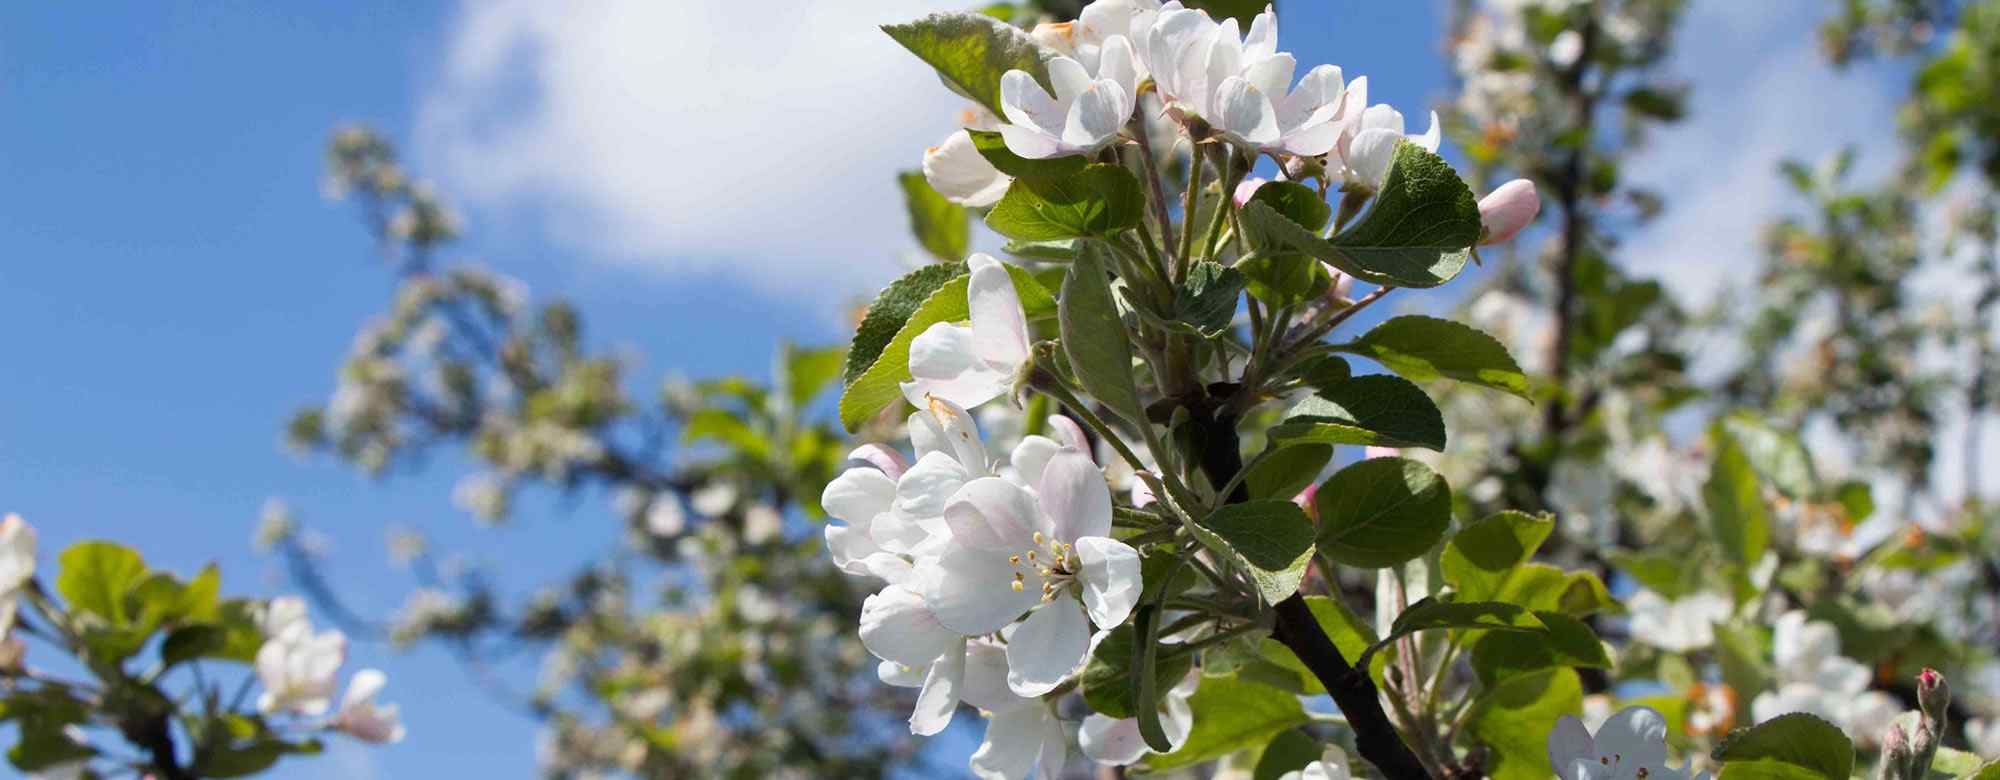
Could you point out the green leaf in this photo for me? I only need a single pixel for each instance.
(1436, 612)
(941, 226)
(1284, 472)
(200, 640)
(1099, 350)
(1735, 503)
(1101, 200)
(1271, 539)
(1667, 575)
(1284, 280)
(809, 371)
(727, 427)
(994, 148)
(1230, 715)
(1540, 586)
(96, 576)
(1795, 745)
(1514, 717)
(1381, 512)
(1377, 410)
(893, 307)
(1989, 771)
(42, 747)
(1661, 104)
(881, 384)
(1243, 11)
(1297, 202)
(972, 51)
(1418, 232)
(1063, 250)
(1480, 557)
(1566, 642)
(1206, 301)
(1776, 455)
(1107, 680)
(1426, 348)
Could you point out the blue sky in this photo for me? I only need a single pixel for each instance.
(173, 286)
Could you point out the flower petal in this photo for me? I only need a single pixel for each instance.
(1638, 735)
(1031, 456)
(1244, 112)
(991, 513)
(999, 327)
(1069, 78)
(896, 626)
(939, 697)
(1012, 745)
(1112, 741)
(1272, 75)
(961, 174)
(1096, 116)
(1075, 497)
(1027, 106)
(1570, 742)
(975, 593)
(858, 495)
(986, 678)
(1047, 647)
(1369, 156)
(926, 489)
(1110, 578)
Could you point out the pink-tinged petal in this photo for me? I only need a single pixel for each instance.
(1317, 98)
(976, 595)
(1066, 431)
(1112, 741)
(1569, 743)
(1118, 63)
(1074, 497)
(999, 327)
(1047, 648)
(961, 431)
(1313, 141)
(896, 626)
(939, 697)
(976, 386)
(1637, 734)
(888, 460)
(1508, 209)
(849, 548)
(993, 514)
(1247, 189)
(1110, 579)
(1244, 112)
(1026, 106)
(1381, 452)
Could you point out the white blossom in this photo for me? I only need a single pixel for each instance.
(665, 517)
(957, 170)
(360, 717)
(1631, 744)
(297, 666)
(17, 553)
(970, 365)
(1332, 765)
(1117, 741)
(1681, 625)
(1812, 676)
(1369, 139)
(1086, 112)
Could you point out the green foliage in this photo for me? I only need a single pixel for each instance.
(1283, 472)
(994, 149)
(1418, 233)
(1099, 351)
(941, 226)
(1101, 200)
(43, 748)
(1426, 348)
(880, 385)
(1564, 641)
(1297, 202)
(972, 51)
(893, 307)
(1206, 300)
(1735, 502)
(1481, 557)
(1375, 410)
(1513, 719)
(1283, 280)
(1796, 745)
(1271, 539)
(1231, 715)
(1381, 512)
(1107, 680)
(96, 577)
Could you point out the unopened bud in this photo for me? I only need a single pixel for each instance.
(1247, 188)
(1506, 210)
(1933, 699)
(1933, 695)
(1895, 754)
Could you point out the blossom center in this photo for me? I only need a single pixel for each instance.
(1053, 560)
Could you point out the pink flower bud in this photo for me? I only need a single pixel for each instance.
(1247, 188)
(1305, 501)
(1381, 452)
(1504, 211)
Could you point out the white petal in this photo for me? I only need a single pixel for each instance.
(1012, 745)
(993, 514)
(1030, 456)
(1118, 63)
(999, 327)
(1112, 741)
(1047, 648)
(1262, 39)
(1055, 748)
(896, 626)
(939, 697)
(1027, 106)
(1382, 117)
(1432, 137)
(1066, 431)
(1570, 742)
(927, 487)
(1244, 112)
(944, 364)
(962, 433)
(849, 548)
(1369, 157)
(976, 593)
(17, 553)
(1075, 497)
(858, 495)
(1312, 141)
(1096, 116)
(1637, 734)
(986, 679)
(1273, 75)
(1316, 99)
(364, 686)
(1031, 143)
(961, 174)
(1110, 579)
(1069, 77)
(901, 676)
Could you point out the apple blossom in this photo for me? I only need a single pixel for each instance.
(1506, 210)
(1016, 551)
(1812, 676)
(1630, 744)
(1086, 112)
(1681, 625)
(1260, 108)
(1023, 735)
(1247, 189)
(957, 170)
(970, 365)
(1189, 54)
(297, 667)
(1117, 741)
(17, 553)
(1369, 139)
(359, 717)
(1332, 765)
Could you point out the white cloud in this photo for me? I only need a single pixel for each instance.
(756, 138)
(1761, 93)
